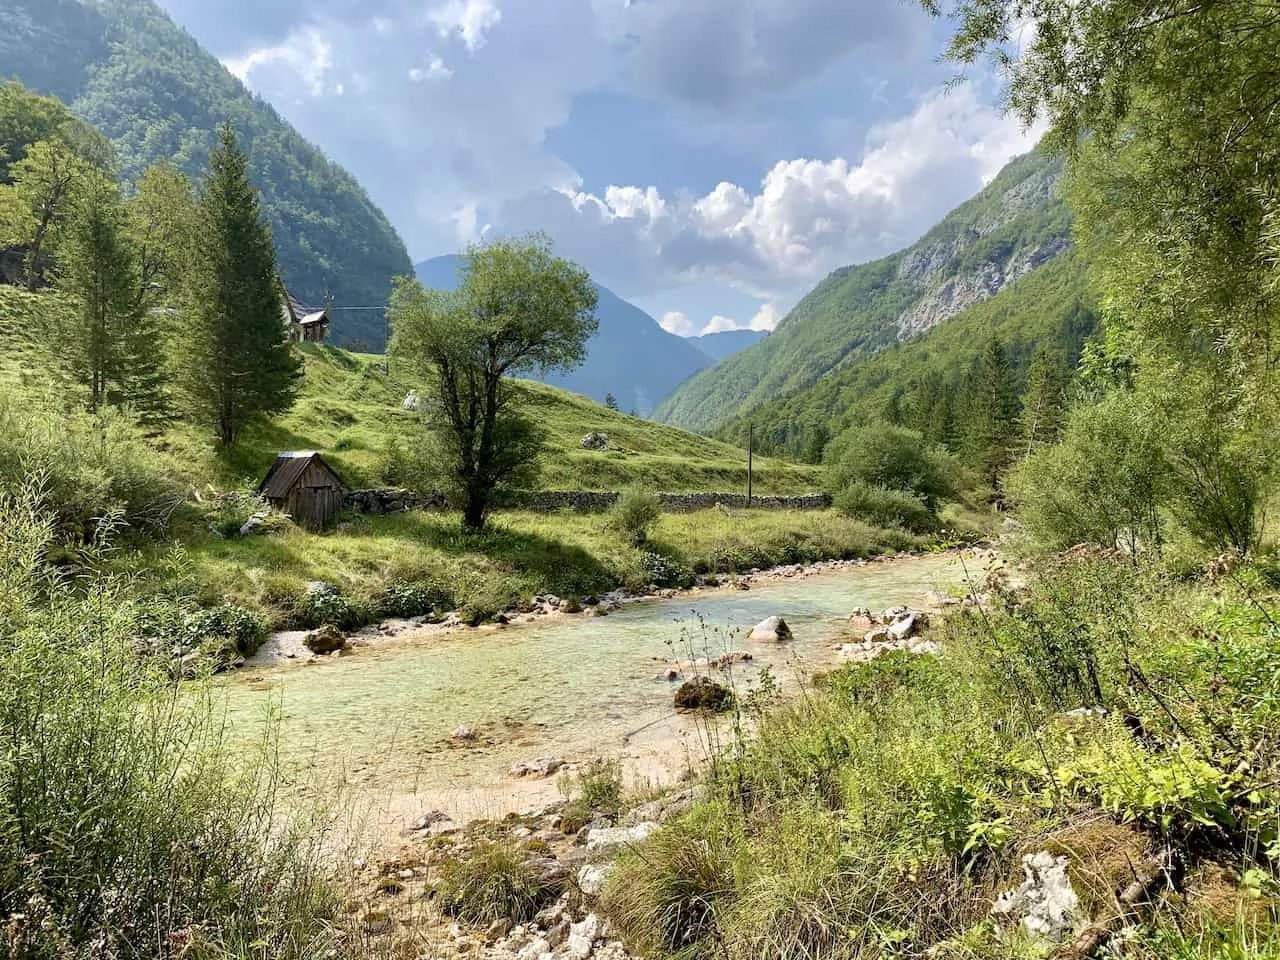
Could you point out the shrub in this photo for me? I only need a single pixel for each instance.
(665, 571)
(597, 788)
(879, 679)
(84, 468)
(885, 507)
(634, 515)
(889, 457)
(494, 881)
(1103, 483)
(401, 599)
(232, 509)
(129, 827)
(333, 608)
(226, 631)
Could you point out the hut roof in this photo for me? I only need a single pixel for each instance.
(289, 467)
(292, 310)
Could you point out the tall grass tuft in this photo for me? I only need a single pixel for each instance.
(129, 825)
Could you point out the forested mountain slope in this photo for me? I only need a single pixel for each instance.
(630, 357)
(1017, 223)
(131, 72)
(920, 382)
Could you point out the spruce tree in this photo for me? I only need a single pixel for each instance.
(1044, 402)
(232, 351)
(111, 346)
(990, 415)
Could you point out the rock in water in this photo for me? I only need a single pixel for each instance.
(327, 639)
(775, 628)
(703, 693)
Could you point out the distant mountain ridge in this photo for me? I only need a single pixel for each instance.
(126, 68)
(630, 357)
(725, 343)
(1011, 228)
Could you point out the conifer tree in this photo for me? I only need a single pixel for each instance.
(1044, 403)
(232, 354)
(610, 401)
(112, 346)
(990, 417)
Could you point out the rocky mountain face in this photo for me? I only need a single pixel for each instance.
(1014, 226)
(948, 292)
(630, 356)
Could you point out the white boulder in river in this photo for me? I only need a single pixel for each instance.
(775, 628)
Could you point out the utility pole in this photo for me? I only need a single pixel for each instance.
(751, 444)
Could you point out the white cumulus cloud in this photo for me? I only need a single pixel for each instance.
(676, 322)
(470, 20)
(805, 218)
(305, 53)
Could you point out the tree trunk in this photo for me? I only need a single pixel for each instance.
(473, 510)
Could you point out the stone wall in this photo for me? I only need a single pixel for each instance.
(392, 500)
(581, 501)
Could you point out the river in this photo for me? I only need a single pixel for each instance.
(376, 724)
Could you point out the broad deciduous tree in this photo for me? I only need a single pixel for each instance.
(518, 309)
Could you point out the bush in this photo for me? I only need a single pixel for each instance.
(1103, 483)
(495, 881)
(400, 599)
(893, 458)
(634, 515)
(226, 631)
(84, 468)
(884, 507)
(129, 827)
(232, 509)
(333, 608)
(665, 571)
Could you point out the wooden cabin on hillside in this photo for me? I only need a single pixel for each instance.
(302, 484)
(303, 323)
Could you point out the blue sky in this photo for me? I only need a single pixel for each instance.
(708, 159)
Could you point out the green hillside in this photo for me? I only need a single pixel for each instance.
(1014, 225)
(352, 411)
(127, 69)
(1051, 308)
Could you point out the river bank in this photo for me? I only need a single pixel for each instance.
(289, 647)
(378, 726)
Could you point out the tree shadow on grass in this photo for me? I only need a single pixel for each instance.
(554, 565)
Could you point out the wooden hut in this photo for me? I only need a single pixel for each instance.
(303, 485)
(303, 323)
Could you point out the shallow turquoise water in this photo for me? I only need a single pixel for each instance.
(379, 720)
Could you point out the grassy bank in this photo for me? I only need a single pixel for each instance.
(381, 565)
(883, 815)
